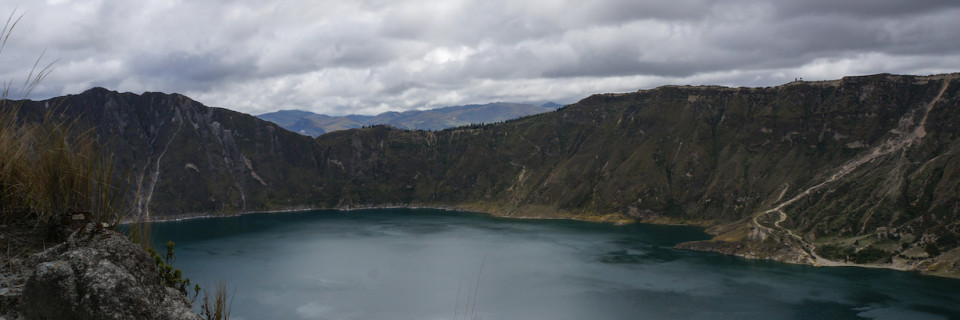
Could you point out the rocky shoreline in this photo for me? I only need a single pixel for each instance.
(944, 265)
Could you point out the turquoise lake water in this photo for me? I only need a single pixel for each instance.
(434, 264)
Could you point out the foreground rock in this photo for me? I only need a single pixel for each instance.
(99, 274)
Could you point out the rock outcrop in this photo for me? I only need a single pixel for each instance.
(99, 274)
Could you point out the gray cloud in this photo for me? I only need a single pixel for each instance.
(864, 8)
(371, 56)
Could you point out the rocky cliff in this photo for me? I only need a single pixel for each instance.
(99, 274)
(175, 156)
(95, 273)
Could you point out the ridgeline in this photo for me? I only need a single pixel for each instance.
(862, 170)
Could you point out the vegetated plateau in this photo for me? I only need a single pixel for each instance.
(861, 170)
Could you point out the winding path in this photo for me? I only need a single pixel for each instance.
(894, 144)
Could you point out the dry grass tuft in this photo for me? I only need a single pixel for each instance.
(50, 173)
(217, 307)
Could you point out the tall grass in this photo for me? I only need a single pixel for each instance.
(37, 74)
(50, 171)
(217, 307)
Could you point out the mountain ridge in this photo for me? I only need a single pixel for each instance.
(826, 172)
(163, 144)
(313, 124)
(710, 155)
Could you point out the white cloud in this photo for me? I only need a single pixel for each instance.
(339, 56)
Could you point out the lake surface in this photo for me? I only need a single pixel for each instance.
(433, 264)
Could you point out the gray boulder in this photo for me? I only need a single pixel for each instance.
(99, 274)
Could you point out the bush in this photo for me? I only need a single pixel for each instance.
(834, 252)
(170, 276)
(932, 249)
(871, 254)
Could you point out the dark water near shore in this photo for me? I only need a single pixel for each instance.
(425, 264)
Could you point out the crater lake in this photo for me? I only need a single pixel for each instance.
(436, 264)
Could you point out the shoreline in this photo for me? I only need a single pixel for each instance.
(192, 216)
(623, 220)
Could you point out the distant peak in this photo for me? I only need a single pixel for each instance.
(98, 90)
(551, 105)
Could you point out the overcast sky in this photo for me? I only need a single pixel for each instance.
(366, 57)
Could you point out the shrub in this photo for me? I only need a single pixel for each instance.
(932, 249)
(170, 276)
(871, 254)
(834, 252)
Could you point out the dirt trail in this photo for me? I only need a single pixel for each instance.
(904, 140)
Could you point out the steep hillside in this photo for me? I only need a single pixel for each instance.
(313, 124)
(863, 168)
(177, 156)
(860, 170)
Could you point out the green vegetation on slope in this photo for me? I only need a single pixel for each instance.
(777, 170)
(692, 154)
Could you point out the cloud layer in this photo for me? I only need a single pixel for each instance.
(369, 56)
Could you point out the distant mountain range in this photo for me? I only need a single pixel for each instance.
(313, 124)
